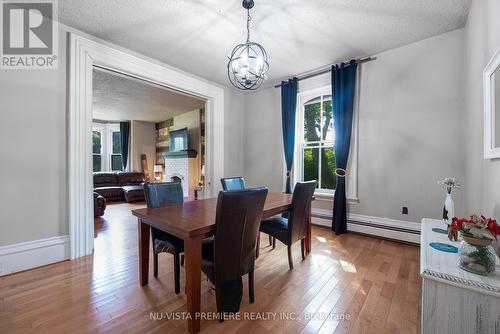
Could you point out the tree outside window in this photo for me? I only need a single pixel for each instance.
(96, 151)
(317, 146)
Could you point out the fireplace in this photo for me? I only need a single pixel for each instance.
(176, 178)
(177, 170)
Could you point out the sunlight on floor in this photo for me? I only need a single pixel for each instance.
(348, 267)
(321, 239)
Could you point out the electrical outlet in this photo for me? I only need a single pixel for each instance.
(404, 210)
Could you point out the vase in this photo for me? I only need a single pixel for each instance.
(476, 255)
(448, 209)
(497, 247)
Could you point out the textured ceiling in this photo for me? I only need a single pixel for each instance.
(198, 35)
(118, 98)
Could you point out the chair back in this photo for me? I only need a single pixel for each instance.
(301, 202)
(233, 183)
(236, 229)
(161, 194)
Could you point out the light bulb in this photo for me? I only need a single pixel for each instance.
(235, 66)
(244, 59)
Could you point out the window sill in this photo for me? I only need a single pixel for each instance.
(328, 197)
(324, 196)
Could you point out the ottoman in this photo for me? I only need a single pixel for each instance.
(133, 193)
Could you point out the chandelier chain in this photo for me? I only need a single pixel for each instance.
(248, 64)
(248, 25)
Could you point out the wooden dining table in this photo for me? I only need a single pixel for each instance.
(194, 221)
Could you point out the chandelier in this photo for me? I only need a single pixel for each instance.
(247, 66)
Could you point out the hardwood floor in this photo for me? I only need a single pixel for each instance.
(348, 284)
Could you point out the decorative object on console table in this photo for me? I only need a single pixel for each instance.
(158, 170)
(455, 300)
(440, 230)
(449, 184)
(476, 253)
(442, 247)
(452, 234)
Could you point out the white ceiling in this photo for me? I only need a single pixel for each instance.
(117, 98)
(198, 35)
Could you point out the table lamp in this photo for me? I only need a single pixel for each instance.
(158, 170)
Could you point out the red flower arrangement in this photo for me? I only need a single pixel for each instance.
(478, 226)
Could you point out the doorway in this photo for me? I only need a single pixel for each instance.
(85, 55)
(141, 133)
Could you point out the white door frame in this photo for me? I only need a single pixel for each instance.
(84, 54)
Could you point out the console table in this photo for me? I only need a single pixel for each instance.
(454, 300)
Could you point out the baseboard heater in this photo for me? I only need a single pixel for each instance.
(382, 227)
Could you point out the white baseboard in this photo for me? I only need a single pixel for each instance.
(32, 254)
(378, 226)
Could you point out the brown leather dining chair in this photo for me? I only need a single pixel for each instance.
(238, 183)
(292, 229)
(157, 195)
(231, 253)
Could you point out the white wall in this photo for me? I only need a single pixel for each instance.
(263, 142)
(410, 131)
(33, 171)
(233, 132)
(410, 125)
(33, 144)
(482, 39)
(143, 142)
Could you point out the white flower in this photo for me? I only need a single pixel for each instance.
(449, 183)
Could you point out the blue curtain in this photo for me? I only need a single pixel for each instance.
(343, 90)
(124, 140)
(288, 111)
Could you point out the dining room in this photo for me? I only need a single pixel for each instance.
(257, 166)
(221, 264)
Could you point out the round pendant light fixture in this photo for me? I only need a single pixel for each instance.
(247, 66)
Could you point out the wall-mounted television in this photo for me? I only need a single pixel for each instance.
(179, 140)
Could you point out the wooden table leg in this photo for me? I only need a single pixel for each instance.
(308, 231)
(192, 251)
(144, 231)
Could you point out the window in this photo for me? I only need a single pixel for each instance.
(318, 159)
(116, 153)
(96, 151)
(106, 147)
(314, 157)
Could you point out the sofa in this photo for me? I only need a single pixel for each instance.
(119, 186)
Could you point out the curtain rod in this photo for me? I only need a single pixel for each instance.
(326, 70)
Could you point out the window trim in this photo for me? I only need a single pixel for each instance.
(106, 130)
(352, 164)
